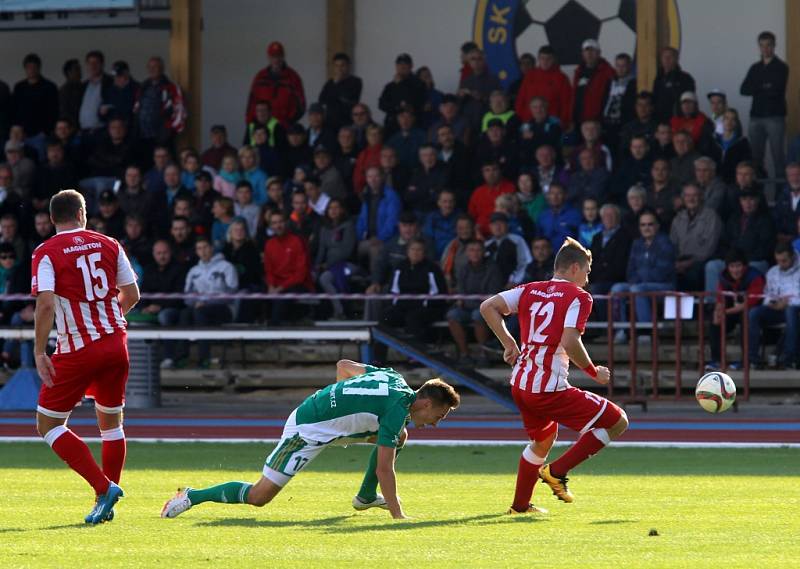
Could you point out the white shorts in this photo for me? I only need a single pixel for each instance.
(291, 455)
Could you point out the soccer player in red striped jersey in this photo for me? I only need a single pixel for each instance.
(552, 316)
(83, 281)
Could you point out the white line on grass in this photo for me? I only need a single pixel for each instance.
(445, 443)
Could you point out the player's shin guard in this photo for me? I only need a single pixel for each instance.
(114, 449)
(527, 475)
(78, 457)
(589, 444)
(369, 486)
(227, 493)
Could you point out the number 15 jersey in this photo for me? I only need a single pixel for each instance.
(544, 309)
(84, 270)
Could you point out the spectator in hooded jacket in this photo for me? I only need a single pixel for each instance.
(591, 80)
(670, 83)
(730, 147)
(340, 93)
(547, 81)
(280, 85)
(781, 305)
(766, 83)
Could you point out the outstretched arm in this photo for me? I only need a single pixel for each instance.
(573, 345)
(493, 309)
(388, 481)
(345, 369)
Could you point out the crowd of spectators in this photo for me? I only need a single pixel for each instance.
(466, 192)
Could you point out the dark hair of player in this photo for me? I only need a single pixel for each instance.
(572, 252)
(65, 205)
(440, 393)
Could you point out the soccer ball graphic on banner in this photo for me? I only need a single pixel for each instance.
(565, 25)
(715, 392)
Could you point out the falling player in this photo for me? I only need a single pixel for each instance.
(552, 317)
(83, 281)
(366, 404)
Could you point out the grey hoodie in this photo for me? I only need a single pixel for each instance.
(216, 276)
(784, 283)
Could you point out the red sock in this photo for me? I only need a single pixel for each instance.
(527, 475)
(589, 444)
(78, 457)
(114, 449)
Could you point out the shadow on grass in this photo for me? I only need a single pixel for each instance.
(48, 528)
(610, 522)
(335, 525)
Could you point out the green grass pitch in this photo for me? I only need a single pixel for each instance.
(712, 509)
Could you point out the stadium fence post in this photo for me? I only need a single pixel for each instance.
(610, 340)
(701, 333)
(723, 344)
(654, 344)
(632, 342)
(746, 346)
(678, 345)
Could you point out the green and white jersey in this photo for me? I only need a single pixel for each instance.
(374, 403)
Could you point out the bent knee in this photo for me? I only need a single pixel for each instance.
(622, 424)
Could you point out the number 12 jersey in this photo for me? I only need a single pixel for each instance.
(544, 309)
(84, 270)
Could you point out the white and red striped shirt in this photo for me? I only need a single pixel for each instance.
(84, 270)
(545, 308)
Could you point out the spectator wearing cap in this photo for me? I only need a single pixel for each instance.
(340, 93)
(280, 86)
(547, 81)
(90, 120)
(730, 147)
(407, 139)
(70, 94)
(718, 104)
(541, 267)
(716, 194)
(481, 203)
(474, 90)
(500, 109)
(670, 83)
(317, 199)
(547, 171)
(590, 81)
(787, 204)
(541, 129)
(690, 119)
(120, 96)
(329, 176)
(433, 98)
(426, 180)
(559, 220)
(34, 100)
(297, 153)
(620, 99)
(682, 164)
(253, 173)
(52, 176)
(276, 133)
(287, 268)
(642, 124)
(610, 250)
(750, 230)
(368, 157)
(23, 169)
(10, 202)
(318, 133)
(495, 146)
(405, 91)
(663, 195)
(507, 250)
(450, 115)
(110, 214)
(454, 156)
(766, 83)
(440, 224)
(212, 156)
(377, 220)
(695, 232)
(159, 108)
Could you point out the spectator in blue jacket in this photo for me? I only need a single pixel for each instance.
(440, 225)
(560, 220)
(651, 267)
(377, 222)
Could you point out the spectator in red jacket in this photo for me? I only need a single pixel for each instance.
(481, 204)
(548, 81)
(690, 119)
(287, 268)
(280, 85)
(591, 81)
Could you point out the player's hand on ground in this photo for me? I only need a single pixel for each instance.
(510, 355)
(45, 369)
(400, 516)
(603, 375)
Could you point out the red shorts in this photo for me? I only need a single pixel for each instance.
(574, 408)
(100, 371)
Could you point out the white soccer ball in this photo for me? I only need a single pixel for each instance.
(715, 392)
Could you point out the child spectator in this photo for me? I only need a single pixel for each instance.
(245, 208)
(223, 216)
(591, 225)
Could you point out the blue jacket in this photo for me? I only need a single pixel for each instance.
(654, 264)
(258, 179)
(389, 208)
(440, 229)
(558, 226)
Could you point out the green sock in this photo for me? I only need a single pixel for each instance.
(227, 493)
(369, 486)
